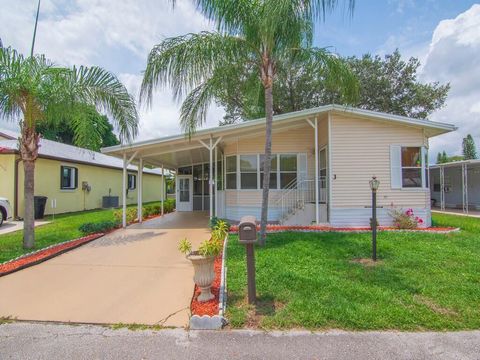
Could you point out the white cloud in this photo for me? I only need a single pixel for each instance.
(454, 56)
(116, 35)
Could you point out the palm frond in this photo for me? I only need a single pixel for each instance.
(337, 74)
(185, 62)
(98, 87)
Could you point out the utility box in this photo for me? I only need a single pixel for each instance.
(247, 230)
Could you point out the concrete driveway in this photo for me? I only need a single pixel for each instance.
(11, 226)
(135, 275)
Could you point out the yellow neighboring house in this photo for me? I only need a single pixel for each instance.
(72, 178)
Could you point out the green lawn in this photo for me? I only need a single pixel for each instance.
(63, 228)
(424, 281)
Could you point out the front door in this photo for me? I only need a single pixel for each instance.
(184, 193)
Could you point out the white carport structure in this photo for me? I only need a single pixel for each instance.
(456, 185)
(168, 154)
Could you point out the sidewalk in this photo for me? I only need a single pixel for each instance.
(49, 341)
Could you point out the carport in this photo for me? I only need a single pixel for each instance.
(197, 165)
(456, 185)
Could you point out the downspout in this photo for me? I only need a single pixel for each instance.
(15, 189)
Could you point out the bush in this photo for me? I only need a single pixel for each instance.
(214, 222)
(131, 214)
(405, 219)
(99, 227)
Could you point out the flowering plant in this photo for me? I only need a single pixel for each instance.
(405, 219)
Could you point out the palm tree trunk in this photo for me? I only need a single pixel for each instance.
(29, 153)
(29, 216)
(267, 162)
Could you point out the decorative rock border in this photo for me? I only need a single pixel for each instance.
(315, 228)
(41, 255)
(215, 322)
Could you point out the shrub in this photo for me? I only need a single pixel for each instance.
(103, 226)
(405, 219)
(131, 214)
(156, 209)
(214, 222)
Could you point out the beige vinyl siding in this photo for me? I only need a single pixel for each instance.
(361, 149)
(296, 140)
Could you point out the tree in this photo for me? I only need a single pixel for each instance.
(63, 131)
(387, 85)
(252, 35)
(469, 149)
(35, 90)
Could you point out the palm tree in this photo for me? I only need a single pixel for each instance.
(256, 34)
(35, 90)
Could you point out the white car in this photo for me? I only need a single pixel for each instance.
(5, 210)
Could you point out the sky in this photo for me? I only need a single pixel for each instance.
(118, 35)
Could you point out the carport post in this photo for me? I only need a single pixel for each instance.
(140, 191)
(215, 182)
(124, 191)
(442, 188)
(210, 176)
(163, 187)
(314, 125)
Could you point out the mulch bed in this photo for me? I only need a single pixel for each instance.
(44, 254)
(208, 307)
(319, 228)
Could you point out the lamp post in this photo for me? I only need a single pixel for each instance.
(374, 184)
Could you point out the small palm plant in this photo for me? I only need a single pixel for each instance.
(33, 90)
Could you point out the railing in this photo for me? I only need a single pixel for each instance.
(298, 193)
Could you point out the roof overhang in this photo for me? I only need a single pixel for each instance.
(177, 150)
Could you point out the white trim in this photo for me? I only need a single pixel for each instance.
(124, 191)
(443, 127)
(140, 191)
(317, 210)
(329, 167)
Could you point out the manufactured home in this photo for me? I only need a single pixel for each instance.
(323, 160)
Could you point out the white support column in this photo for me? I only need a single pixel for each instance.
(215, 182)
(317, 213)
(314, 125)
(465, 188)
(210, 177)
(163, 187)
(140, 191)
(442, 188)
(124, 191)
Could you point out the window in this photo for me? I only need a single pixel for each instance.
(231, 172)
(68, 177)
(219, 180)
(197, 179)
(288, 169)
(411, 167)
(185, 170)
(273, 171)
(248, 171)
(132, 182)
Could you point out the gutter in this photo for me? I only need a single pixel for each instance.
(15, 189)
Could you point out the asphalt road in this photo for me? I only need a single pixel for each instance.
(53, 341)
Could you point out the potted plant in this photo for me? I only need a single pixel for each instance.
(203, 261)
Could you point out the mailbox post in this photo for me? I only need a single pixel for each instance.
(247, 235)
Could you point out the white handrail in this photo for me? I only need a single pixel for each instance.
(297, 193)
